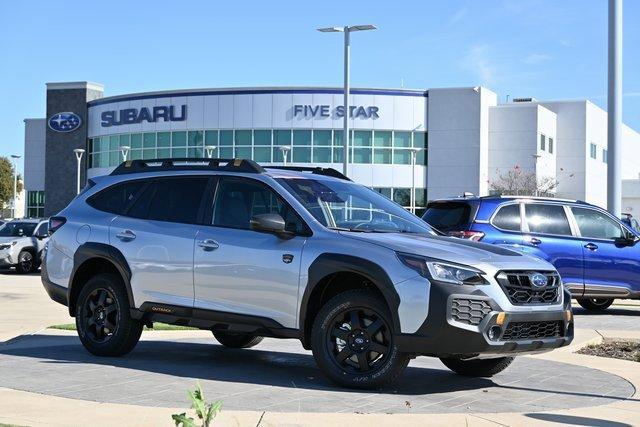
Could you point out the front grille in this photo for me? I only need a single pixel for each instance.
(521, 291)
(469, 311)
(532, 330)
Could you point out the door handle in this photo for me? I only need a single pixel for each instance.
(591, 246)
(535, 241)
(126, 235)
(208, 245)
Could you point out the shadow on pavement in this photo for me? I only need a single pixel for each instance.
(631, 311)
(217, 363)
(576, 421)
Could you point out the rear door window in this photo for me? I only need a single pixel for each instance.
(507, 218)
(116, 198)
(547, 219)
(175, 199)
(447, 216)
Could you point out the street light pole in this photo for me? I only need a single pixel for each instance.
(125, 152)
(285, 149)
(347, 69)
(15, 158)
(614, 107)
(209, 149)
(414, 153)
(79, 152)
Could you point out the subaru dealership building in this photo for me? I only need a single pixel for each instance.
(462, 138)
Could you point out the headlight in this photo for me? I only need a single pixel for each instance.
(443, 271)
(4, 246)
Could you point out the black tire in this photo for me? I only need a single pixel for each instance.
(103, 321)
(26, 262)
(346, 334)
(231, 340)
(595, 304)
(478, 367)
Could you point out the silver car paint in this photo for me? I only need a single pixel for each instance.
(164, 258)
(9, 257)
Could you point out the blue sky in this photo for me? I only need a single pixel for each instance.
(547, 49)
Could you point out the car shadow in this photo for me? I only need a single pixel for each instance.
(217, 363)
(635, 311)
(12, 272)
(575, 420)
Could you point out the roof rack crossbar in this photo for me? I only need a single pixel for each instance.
(187, 163)
(314, 170)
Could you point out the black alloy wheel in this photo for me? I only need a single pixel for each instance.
(100, 315)
(25, 262)
(359, 340)
(595, 304)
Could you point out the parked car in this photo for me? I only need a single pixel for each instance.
(596, 255)
(630, 221)
(21, 244)
(248, 251)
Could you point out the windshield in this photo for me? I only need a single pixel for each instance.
(17, 229)
(353, 207)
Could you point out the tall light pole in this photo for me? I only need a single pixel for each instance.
(209, 149)
(285, 149)
(79, 152)
(125, 152)
(347, 30)
(15, 158)
(414, 153)
(614, 107)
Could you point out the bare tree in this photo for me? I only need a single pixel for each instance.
(517, 182)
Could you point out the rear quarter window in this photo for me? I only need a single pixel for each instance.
(446, 216)
(116, 198)
(507, 218)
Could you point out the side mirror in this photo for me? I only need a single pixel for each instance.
(41, 236)
(625, 241)
(270, 223)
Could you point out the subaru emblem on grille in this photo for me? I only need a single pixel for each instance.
(538, 280)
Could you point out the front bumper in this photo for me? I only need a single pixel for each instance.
(444, 335)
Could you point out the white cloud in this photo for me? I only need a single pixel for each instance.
(536, 58)
(478, 59)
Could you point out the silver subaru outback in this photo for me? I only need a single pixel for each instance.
(21, 244)
(289, 252)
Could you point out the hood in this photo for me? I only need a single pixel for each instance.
(9, 239)
(453, 249)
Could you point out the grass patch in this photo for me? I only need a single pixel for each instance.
(156, 327)
(615, 348)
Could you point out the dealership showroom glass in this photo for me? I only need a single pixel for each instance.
(443, 141)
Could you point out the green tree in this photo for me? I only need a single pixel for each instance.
(6, 181)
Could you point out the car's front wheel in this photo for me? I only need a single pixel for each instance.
(26, 262)
(595, 304)
(103, 320)
(237, 340)
(352, 341)
(477, 367)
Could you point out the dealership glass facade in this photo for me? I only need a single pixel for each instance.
(262, 145)
(35, 204)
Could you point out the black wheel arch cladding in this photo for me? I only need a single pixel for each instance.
(328, 264)
(91, 251)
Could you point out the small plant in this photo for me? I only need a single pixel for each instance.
(206, 412)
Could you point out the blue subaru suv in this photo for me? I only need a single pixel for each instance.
(597, 256)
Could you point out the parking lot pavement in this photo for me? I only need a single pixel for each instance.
(26, 307)
(623, 315)
(278, 375)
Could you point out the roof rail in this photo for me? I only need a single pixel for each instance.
(159, 165)
(316, 170)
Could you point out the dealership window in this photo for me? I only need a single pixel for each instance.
(551, 145)
(605, 155)
(543, 142)
(35, 204)
(262, 145)
(593, 150)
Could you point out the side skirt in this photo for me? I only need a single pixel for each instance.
(212, 320)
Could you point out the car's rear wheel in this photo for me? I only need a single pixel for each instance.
(477, 367)
(595, 304)
(26, 262)
(352, 341)
(103, 321)
(236, 340)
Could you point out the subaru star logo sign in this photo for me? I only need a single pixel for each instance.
(65, 122)
(538, 280)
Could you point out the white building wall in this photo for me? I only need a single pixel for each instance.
(458, 124)
(34, 154)
(514, 134)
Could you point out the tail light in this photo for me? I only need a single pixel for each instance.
(55, 222)
(476, 236)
